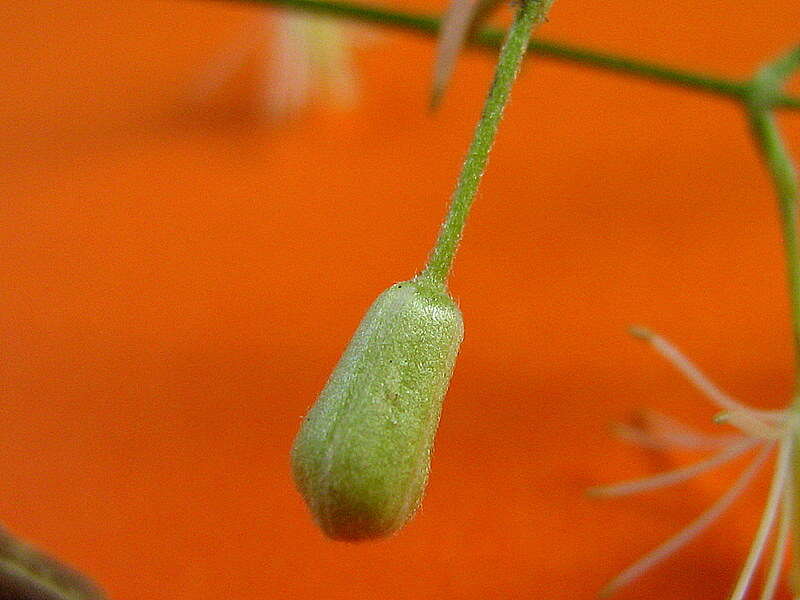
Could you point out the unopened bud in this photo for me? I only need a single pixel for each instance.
(362, 456)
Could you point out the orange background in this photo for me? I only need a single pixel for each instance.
(179, 281)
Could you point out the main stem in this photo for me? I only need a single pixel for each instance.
(782, 172)
(440, 263)
(767, 84)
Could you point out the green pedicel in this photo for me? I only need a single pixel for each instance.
(362, 456)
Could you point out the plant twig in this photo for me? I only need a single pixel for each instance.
(765, 86)
(492, 38)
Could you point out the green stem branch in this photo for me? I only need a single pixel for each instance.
(440, 263)
(492, 38)
(781, 170)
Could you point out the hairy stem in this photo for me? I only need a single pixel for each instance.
(492, 38)
(440, 263)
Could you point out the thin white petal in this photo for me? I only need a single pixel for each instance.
(693, 529)
(696, 376)
(782, 467)
(678, 475)
(751, 424)
(660, 431)
(781, 542)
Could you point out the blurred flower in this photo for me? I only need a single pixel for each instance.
(311, 54)
(760, 431)
(308, 56)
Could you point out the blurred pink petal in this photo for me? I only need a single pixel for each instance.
(462, 19)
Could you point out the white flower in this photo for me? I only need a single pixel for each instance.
(760, 431)
(309, 56)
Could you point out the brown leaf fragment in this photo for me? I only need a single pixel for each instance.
(28, 574)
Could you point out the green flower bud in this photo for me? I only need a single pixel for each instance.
(362, 456)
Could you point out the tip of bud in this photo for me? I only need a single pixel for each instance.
(721, 417)
(640, 332)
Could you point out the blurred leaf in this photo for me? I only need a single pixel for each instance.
(27, 574)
